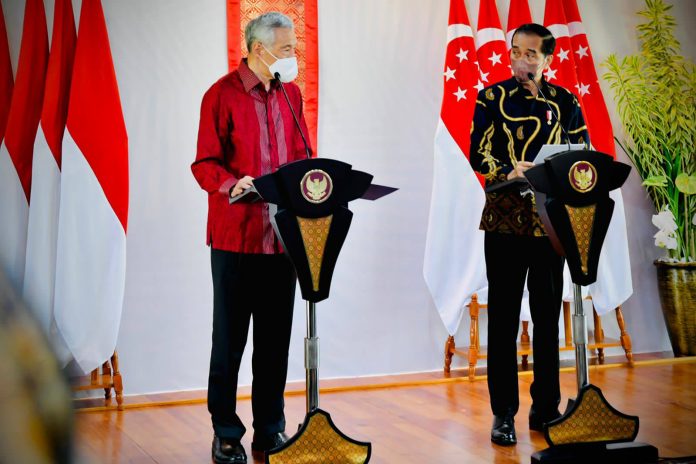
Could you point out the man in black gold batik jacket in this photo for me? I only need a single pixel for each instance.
(511, 123)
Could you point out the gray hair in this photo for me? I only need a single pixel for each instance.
(262, 29)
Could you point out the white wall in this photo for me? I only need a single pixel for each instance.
(380, 90)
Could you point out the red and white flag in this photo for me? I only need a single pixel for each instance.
(518, 14)
(18, 145)
(493, 57)
(562, 69)
(454, 266)
(91, 252)
(6, 76)
(42, 231)
(614, 284)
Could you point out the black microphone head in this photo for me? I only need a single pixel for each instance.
(530, 76)
(276, 75)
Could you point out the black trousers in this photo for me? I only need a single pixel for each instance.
(509, 258)
(245, 286)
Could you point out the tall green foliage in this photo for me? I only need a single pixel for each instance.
(655, 92)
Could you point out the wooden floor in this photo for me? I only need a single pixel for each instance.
(434, 423)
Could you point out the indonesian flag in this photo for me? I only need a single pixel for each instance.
(454, 266)
(493, 58)
(614, 285)
(40, 275)
(18, 144)
(91, 253)
(6, 77)
(518, 14)
(561, 71)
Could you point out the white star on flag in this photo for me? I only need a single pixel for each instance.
(563, 55)
(495, 58)
(460, 93)
(479, 86)
(484, 76)
(581, 51)
(462, 55)
(449, 74)
(583, 89)
(550, 74)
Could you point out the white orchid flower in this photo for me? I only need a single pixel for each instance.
(664, 239)
(664, 221)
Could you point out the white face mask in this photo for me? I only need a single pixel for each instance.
(286, 67)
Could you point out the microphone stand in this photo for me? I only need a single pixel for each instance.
(531, 78)
(294, 116)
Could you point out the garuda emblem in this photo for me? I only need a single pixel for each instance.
(316, 186)
(582, 176)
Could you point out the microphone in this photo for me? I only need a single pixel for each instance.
(531, 78)
(294, 116)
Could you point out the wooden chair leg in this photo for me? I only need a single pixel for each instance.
(449, 352)
(106, 374)
(598, 335)
(567, 330)
(525, 340)
(473, 336)
(625, 338)
(118, 381)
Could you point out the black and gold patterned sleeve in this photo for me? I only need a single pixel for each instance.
(482, 158)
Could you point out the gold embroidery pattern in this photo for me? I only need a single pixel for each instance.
(489, 94)
(510, 145)
(527, 118)
(552, 91)
(320, 444)
(520, 133)
(593, 421)
(314, 234)
(581, 221)
(485, 151)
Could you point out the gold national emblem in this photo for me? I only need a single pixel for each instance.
(316, 186)
(582, 176)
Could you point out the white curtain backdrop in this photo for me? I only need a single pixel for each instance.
(380, 89)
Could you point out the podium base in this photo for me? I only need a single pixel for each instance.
(597, 453)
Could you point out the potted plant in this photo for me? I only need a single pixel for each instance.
(655, 92)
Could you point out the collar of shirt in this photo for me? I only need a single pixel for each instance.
(250, 80)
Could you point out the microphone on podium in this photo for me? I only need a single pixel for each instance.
(294, 116)
(530, 76)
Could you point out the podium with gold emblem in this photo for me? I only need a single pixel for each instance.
(308, 205)
(572, 196)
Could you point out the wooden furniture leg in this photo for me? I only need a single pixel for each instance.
(625, 338)
(524, 340)
(117, 381)
(449, 352)
(473, 336)
(598, 335)
(106, 372)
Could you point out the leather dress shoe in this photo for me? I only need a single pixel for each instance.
(503, 431)
(228, 451)
(263, 443)
(537, 420)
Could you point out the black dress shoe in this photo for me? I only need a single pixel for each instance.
(228, 451)
(263, 443)
(503, 431)
(537, 420)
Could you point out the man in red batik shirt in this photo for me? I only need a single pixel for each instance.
(247, 130)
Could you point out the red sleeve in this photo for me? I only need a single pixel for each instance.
(208, 169)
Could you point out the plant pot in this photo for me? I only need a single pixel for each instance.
(676, 283)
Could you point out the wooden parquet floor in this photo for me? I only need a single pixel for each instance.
(433, 423)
